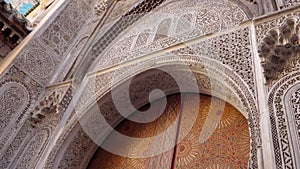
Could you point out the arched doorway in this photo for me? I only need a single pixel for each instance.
(219, 138)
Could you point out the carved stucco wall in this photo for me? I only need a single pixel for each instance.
(44, 61)
(236, 53)
(243, 97)
(242, 65)
(281, 90)
(19, 94)
(57, 47)
(112, 117)
(283, 136)
(200, 22)
(284, 156)
(291, 105)
(23, 144)
(53, 50)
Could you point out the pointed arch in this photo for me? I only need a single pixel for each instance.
(142, 38)
(163, 29)
(184, 24)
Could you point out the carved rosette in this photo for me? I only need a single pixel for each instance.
(279, 46)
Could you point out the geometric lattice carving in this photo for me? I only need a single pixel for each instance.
(61, 33)
(125, 21)
(278, 47)
(236, 53)
(184, 24)
(199, 18)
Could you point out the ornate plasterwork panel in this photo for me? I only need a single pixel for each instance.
(100, 84)
(65, 30)
(15, 147)
(52, 120)
(26, 148)
(21, 145)
(208, 13)
(261, 29)
(39, 134)
(233, 50)
(47, 107)
(284, 156)
(20, 92)
(33, 150)
(118, 27)
(62, 31)
(79, 43)
(52, 52)
(203, 21)
(37, 62)
(121, 8)
(13, 99)
(264, 24)
(60, 142)
(292, 107)
(277, 87)
(75, 151)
